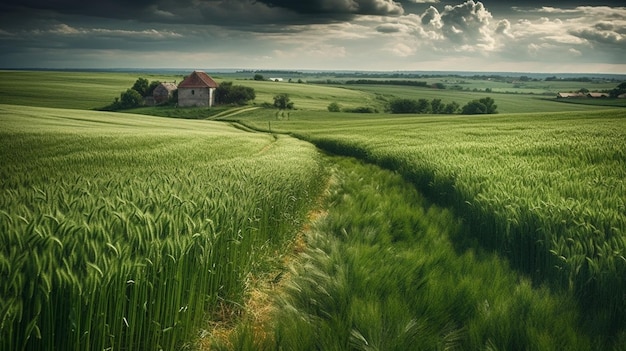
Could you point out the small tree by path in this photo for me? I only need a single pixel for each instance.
(283, 102)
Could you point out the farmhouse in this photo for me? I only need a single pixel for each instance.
(198, 89)
(582, 95)
(569, 95)
(598, 95)
(163, 92)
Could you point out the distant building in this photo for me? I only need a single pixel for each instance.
(570, 95)
(621, 96)
(582, 95)
(276, 79)
(198, 89)
(163, 92)
(598, 95)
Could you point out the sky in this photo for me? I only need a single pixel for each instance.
(372, 35)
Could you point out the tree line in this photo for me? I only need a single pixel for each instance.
(436, 106)
(412, 83)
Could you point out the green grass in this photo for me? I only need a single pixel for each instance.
(123, 231)
(545, 190)
(76, 90)
(176, 219)
(308, 96)
(382, 273)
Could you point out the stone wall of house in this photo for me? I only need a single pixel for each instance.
(161, 94)
(195, 97)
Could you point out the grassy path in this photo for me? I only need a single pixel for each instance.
(232, 112)
(380, 272)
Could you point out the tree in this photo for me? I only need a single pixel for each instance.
(436, 106)
(451, 108)
(423, 106)
(130, 98)
(151, 87)
(141, 86)
(227, 93)
(240, 95)
(334, 107)
(474, 107)
(621, 89)
(403, 106)
(483, 106)
(258, 77)
(490, 104)
(283, 102)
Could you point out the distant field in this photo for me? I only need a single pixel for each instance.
(309, 96)
(507, 103)
(94, 90)
(78, 90)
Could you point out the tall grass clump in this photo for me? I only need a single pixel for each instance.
(545, 190)
(381, 273)
(127, 232)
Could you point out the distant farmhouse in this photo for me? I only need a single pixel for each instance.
(582, 95)
(163, 92)
(569, 95)
(197, 90)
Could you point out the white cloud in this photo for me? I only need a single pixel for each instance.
(401, 50)
(574, 52)
(66, 30)
(391, 28)
(464, 27)
(504, 28)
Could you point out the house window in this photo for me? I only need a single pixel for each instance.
(193, 92)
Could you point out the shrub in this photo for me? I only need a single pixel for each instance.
(483, 106)
(361, 109)
(130, 98)
(334, 107)
(403, 106)
(227, 93)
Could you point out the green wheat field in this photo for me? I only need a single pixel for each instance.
(252, 228)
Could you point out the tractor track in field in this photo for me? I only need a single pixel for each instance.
(230, 113)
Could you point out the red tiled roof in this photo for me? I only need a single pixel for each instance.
(198, 79)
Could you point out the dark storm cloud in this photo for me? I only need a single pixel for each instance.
(253, 12)
(110, 8)
(221, 12)
(361, 7)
